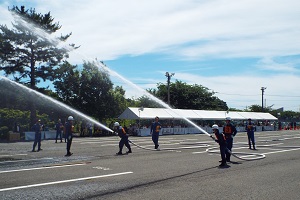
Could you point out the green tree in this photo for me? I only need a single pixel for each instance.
(90, 91)
(186, 96)
(146, 102)
(257, 108)
(26, 55)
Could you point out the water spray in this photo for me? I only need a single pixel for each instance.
(57, 103)
(111, 72)
(101, 65)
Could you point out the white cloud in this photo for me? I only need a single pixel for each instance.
(263, 29)
(269, 64)
(108, 29)
(242, 90)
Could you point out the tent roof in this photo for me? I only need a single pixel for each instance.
(164, 113)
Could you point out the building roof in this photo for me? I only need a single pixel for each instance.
(165, 113)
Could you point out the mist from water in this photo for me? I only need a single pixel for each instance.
(60, 104)
(61, 44)
(144, 92)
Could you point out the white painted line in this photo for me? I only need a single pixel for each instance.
(282, 151)
(31, 169)
(198, 152)
(14, 155)
(12, 161)
(65, 181)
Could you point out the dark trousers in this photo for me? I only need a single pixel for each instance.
(69, 142)
(58, 133)
(223, 153)
(155, 139)
(251, 139)
(124, 141)
(229, 142)
(37, 140)
(65, 136)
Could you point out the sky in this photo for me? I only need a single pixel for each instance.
(232, 47)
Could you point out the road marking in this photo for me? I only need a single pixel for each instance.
(198, 152)
(65, 181)
(11, 161)
(282, 151)
(14, 155)
(37, 168)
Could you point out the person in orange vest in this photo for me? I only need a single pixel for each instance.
(221, 140)
(229, 131)
(250, 133)
(120, 131)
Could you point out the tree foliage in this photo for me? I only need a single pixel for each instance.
(26, 55)
(186, 96)
(90, 91)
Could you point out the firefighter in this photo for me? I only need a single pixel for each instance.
(154, 131)
(221, 140)
(120, 131)
(37, 128)
(250, 133)
(229, 131)
(69, 134)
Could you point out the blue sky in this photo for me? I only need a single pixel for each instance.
(233, 47)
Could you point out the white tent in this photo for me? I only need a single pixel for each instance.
(164, 113)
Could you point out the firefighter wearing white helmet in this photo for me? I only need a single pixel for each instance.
(120, 131)
(69, 134)
(221, 140)
(70, 118)
(229, 131)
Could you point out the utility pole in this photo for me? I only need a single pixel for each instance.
(168, 75)
(262, 98)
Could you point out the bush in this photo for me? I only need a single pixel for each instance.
(4, 132)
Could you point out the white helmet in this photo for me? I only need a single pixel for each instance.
(70, 118)
(228, 118)
(215, 126)
(116, 124)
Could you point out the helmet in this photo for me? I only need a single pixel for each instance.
(215, 126)
(70, 118)
(116, 124)
(228, 118)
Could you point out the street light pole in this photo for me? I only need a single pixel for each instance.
(168, 75)
(139, 127)
(262, 98)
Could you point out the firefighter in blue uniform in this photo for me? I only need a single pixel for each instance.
(229, 131)
(69, 134)
(154, 131)
(37, 128)
(250, 133)
(59, 127)
(120, 131)
(221, 140)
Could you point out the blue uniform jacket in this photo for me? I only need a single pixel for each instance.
(155, 127)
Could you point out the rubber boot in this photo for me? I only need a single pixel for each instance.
(223, 164)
